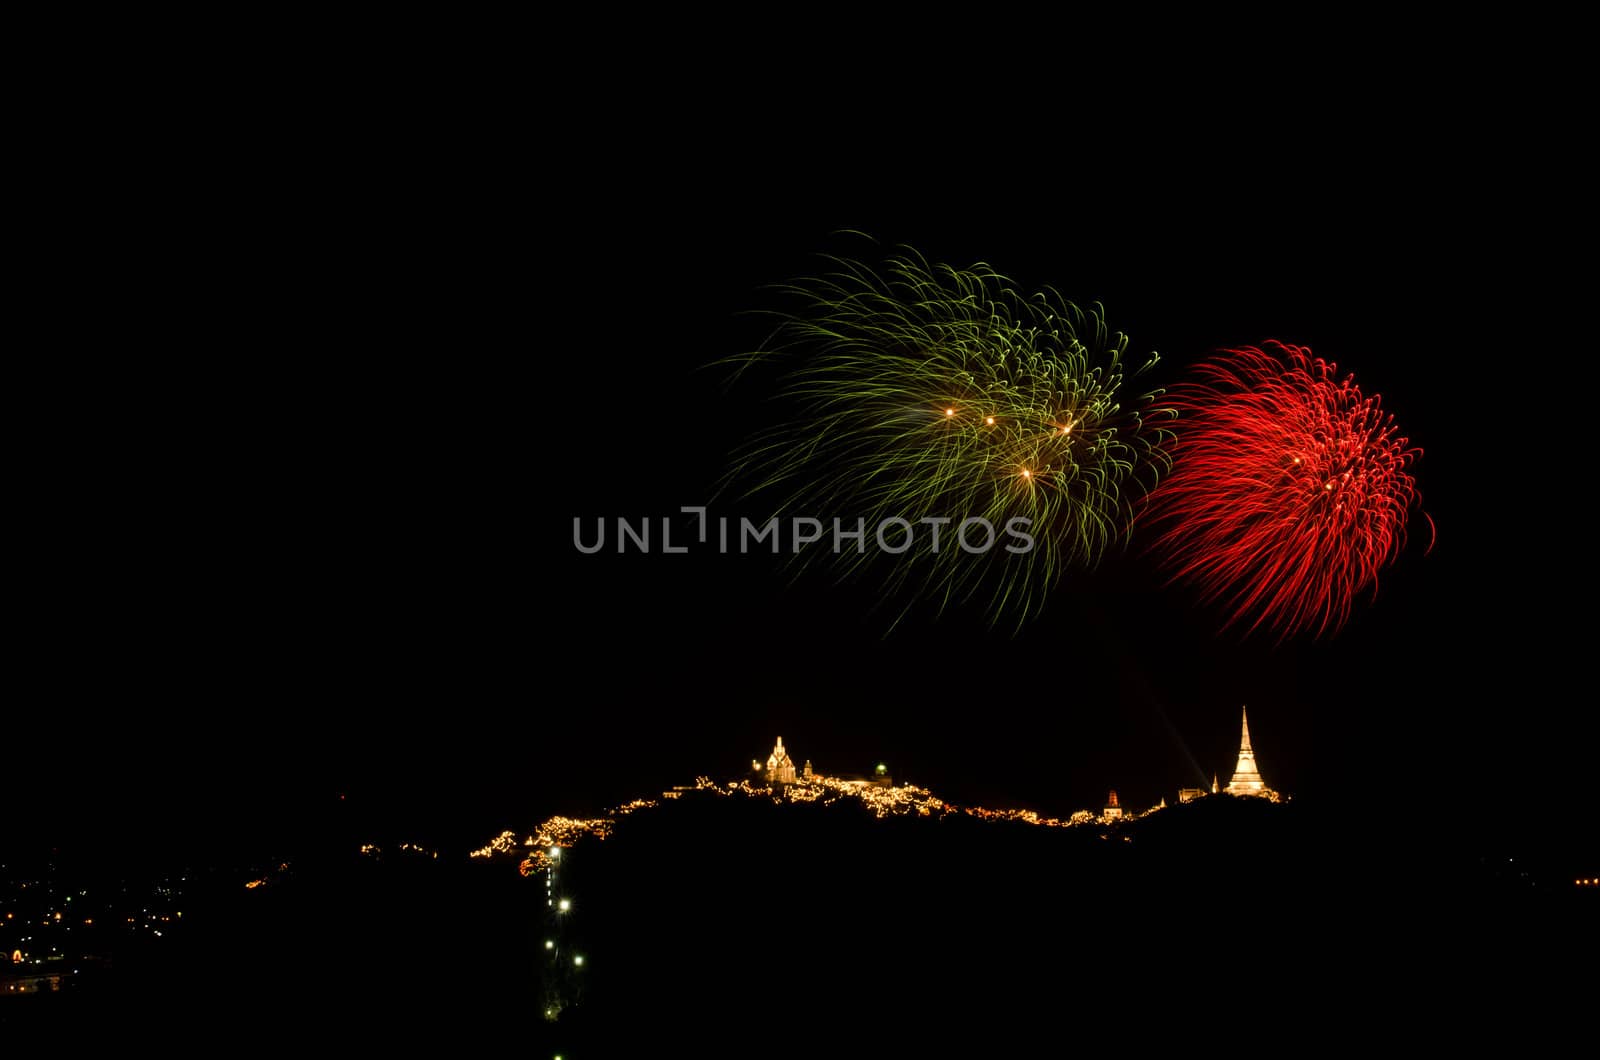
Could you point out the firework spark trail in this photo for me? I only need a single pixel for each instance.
(930, 392)
(1290, 490)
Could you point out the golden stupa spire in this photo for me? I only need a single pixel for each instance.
(1246, 779)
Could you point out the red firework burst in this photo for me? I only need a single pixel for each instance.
(1289, 490)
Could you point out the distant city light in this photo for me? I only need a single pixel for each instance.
(566, 903)
(549, 944)
(577, 961)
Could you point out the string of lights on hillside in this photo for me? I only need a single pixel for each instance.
(780, 780)
(884, 800)
(564, 966)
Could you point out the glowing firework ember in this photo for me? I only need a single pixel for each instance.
(930, 396)
(1289, 490)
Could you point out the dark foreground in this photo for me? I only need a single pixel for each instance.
(740, 927)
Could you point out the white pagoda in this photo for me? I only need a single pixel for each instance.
(1246, 778)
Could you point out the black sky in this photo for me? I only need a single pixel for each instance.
(307, 458)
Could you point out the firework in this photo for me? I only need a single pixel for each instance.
(929, 396)
(1289, 490)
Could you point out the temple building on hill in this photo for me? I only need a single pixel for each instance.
(1246, 778)
(1112, 809)
(780, 767)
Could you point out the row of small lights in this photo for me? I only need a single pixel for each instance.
(902, 798)
(1586, 883)
(563, 906)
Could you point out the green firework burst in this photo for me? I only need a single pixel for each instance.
(927, 393)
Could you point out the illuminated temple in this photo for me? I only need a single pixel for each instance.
(780, 767)
(1246, 778)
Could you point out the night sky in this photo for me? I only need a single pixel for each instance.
(307, 462)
